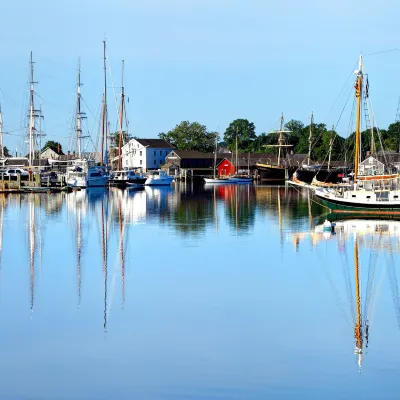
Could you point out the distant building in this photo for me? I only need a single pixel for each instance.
(146, 154)
(51, 154)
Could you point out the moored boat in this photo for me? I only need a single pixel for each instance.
(158, 178)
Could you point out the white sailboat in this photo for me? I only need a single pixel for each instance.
(158, 178)
(216, 179)
(374, 190)
(240, 178)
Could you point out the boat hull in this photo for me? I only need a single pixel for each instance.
(274, 173)
(98, 181)
(158, 182)
(215, 181)
(343, 207)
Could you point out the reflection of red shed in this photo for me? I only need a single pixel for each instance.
(225, 167)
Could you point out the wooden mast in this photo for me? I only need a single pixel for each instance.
(358, 88)
(31, 126)
(330, 148)
(310, 138)
(236, 149)
(104, 106)
(215, 154)
(121, 119)
(280, 140)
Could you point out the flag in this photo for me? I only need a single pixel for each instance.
(357, 89)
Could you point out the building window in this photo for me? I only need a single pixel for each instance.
(166, 152)
(154, 152)
(155, 161)
(140, 152)
(160, 153)
(141, 162)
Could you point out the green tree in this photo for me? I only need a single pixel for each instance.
(51, 144)
(6, 152)
(245, 133)
(114, 138)
(190, 136)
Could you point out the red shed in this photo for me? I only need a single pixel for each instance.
(225, 167)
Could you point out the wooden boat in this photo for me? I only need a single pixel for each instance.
(374, 191)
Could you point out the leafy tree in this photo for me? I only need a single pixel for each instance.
(6, 152)
(114, 138)
(245, 133)
(190, 136)
(51, 144)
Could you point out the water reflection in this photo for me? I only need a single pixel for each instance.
(377, 239)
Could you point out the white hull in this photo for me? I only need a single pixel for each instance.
(241, 180)
(79, 182)
(159, 181)
(217, 181)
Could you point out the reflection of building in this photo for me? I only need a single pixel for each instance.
(145, 153)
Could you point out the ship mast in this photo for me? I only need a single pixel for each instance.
(79, 114)
(104, 107)
(236, 159)
(1, 135)
(330, 148)
(215, 154)
(358, 87)
(280, 140)
(31, 124)
(121, 119)
(310, 138)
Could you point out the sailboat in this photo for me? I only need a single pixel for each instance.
(216, 179)
(123, 178)
(240, 178)
(374, 189)
(282, 170)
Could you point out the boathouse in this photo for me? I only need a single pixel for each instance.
(188, 164)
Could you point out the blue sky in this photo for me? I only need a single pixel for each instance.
(206, 61)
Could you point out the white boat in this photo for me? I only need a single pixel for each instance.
(97, 177)
(159, 178)
(126, 177)
(375, 189)
(217, 180)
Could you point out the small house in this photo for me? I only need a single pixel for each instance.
(371, 166)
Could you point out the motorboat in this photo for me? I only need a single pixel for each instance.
(217, 180)
(97, 177)
(125, 177)
(238, 178)
(158, 178)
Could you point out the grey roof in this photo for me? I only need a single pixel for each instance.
(157, 143)
(192, 154)
(17, 161)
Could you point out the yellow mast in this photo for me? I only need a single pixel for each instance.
(358, 88)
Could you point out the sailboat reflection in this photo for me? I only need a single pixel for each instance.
(375, 237)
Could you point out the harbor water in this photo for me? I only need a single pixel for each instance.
(192, 292)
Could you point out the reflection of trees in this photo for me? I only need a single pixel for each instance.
(192, 211)
(240, 203)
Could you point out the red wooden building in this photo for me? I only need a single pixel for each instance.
(225, 168)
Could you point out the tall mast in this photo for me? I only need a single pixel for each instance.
(280, 140)
(104, 108)
(358, 87)
(31, 125)
(310, 138)
(215, 153)
(79, 114)
(1, 135)
(121, 119)
(330, 148)
(236, 159)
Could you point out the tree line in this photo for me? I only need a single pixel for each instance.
(194, 136)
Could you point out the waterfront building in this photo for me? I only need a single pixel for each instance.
(146, 154)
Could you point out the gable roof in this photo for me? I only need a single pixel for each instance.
(158, 143)
(60, 153)
(192, 154)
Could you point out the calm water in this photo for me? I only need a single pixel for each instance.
(195, 293)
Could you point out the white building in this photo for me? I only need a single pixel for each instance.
(145, 153)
